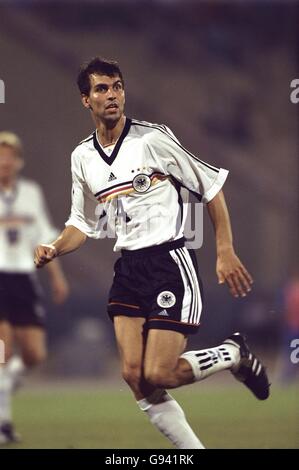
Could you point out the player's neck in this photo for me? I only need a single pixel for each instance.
(109, 134)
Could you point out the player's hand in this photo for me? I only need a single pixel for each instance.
(60, 289)
(231, 270)
(44, 254)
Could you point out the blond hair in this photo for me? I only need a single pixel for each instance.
(12, 140)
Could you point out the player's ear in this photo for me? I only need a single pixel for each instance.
(85, 101)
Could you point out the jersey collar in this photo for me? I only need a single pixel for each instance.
(110, 159)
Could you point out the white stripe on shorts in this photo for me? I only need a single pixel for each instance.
(196, 293)
(187, 303)
(192, 305)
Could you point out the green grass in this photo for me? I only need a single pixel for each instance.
(109, 418)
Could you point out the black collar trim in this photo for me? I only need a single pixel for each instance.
(109, 160)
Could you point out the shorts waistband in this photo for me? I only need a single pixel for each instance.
(150, 250)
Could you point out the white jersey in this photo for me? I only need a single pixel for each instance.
(136, 187)
(24, 223)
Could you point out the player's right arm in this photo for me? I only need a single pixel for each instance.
(81, 224)
(69, 240)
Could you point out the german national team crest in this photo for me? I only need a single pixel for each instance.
(141, 183)
(166, 299)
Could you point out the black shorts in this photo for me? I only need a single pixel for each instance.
(159, 283)
(20, 300)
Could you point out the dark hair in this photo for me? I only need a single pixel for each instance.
(98, 66)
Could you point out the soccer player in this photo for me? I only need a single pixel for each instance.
(23, 222)
(130, 173)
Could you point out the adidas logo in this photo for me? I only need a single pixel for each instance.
(163, 313)
(111, 177)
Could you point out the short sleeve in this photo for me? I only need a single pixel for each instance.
(196, 175)
(84, 205)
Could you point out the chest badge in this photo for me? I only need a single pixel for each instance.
(141, 183)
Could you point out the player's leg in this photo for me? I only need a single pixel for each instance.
(31, 341)
(163, 368)
(166, 367)
(32, 344)
(162, 410)
(166, 414)
(6, 332)
(6, 335)
(130, 339)
(182, 303)
(129, 320)
(26, 317)
(175, 313)
(7, 433)
(138, 276)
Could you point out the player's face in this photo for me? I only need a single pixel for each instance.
(10, 163)
(106, 98)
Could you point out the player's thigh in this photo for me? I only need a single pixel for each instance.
(163, 349)
(32, 343)
(130, 339)
(131, 342)
(6, 335)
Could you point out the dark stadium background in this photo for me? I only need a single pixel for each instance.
(218, 74)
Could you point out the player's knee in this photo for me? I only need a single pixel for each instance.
(33, 357)
(132, 375)
(158, 377)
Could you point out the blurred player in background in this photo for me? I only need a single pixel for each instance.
(132, 172)
(23, 221)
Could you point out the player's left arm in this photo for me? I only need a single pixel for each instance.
(59, 284)
(229, 267)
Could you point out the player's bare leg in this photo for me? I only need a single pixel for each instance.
(32, 343)
(7, 433)
(163, 411)
(165, 367)
(130, 341)
(162, 364)
(6, 335)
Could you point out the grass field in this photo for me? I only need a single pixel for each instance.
(102, 417)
